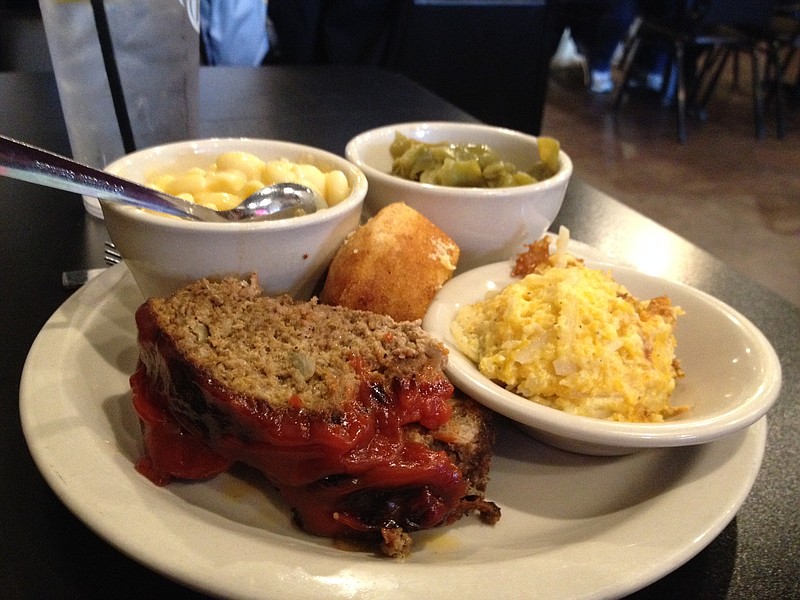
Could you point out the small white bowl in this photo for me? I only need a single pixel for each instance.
(487, 224)
(289, 256)
(732, 373)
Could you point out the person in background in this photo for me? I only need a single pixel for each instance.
(652, 65)
(598, 27)
(335, 31)
(234, 32)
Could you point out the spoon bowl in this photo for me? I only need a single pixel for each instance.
(276, 201)
(19, 160)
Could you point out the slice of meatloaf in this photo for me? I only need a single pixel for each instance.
(348, 413)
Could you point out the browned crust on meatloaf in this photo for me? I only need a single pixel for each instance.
(276, 349)
(468, 438)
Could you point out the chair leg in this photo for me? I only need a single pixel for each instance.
(630, 41)
(758, 95)
(780, 99)
(716, 60)
(627, 69)
(776, 72)
(680, 92)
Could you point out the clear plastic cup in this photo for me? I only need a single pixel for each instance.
(157, 53)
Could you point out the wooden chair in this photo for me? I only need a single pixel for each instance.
(699, 39)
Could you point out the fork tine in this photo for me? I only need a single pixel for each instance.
(111, 254)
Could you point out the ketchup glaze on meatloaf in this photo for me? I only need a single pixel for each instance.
(348, 413)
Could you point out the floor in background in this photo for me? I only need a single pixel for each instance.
(725, 191)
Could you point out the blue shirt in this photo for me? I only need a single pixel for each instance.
(234, 32)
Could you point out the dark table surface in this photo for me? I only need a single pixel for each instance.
(45, 552)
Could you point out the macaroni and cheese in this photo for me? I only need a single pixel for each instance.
(236, 175)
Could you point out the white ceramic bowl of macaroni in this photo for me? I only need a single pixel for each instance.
(289, 255)
(488, 225)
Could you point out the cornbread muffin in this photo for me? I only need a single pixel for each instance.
(393, 265)
(348, 413)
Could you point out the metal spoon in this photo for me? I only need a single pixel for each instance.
(19, 160)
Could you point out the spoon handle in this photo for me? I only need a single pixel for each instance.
(19, 160)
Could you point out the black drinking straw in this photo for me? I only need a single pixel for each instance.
(114, 81)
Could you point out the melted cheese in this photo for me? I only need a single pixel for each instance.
(574, 339)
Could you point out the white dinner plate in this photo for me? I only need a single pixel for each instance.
(572, 527)
(732, 373)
